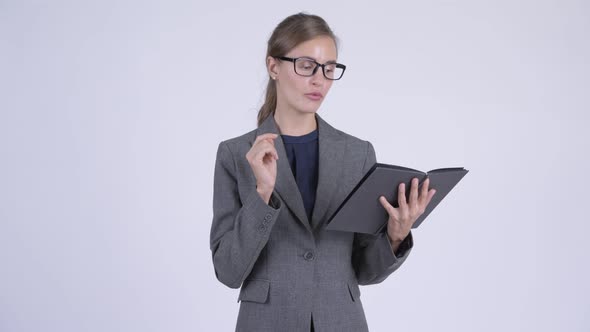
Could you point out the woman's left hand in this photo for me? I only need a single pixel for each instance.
(402, 218)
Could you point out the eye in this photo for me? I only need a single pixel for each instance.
(305, 64)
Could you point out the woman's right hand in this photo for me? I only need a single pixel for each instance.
(262, 158)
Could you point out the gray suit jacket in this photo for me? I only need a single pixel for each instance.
(290, 268)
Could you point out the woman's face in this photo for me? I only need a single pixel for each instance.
(300, 93)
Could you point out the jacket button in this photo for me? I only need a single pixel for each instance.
(262, 228)
(308, 255)
(268, 216)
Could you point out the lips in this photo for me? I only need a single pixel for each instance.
(315, 94)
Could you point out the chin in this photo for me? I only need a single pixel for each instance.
(309, 109)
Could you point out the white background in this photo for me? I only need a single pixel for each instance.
(111, 114)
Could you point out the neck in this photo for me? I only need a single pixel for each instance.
(295, 123)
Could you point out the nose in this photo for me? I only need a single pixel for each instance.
(318, 78)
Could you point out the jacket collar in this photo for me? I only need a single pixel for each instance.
(330, 156)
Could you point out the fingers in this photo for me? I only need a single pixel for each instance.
(263, 145)
(401, 196)
(424, 190)
(408, 212)
(265, 148)
(393, 212)
(431, 193)
(264, 136)
(426, 195)
(414, 192)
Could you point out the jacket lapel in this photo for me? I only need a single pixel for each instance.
(331, 152)
(331, 166)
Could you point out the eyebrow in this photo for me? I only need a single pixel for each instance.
(314, 59)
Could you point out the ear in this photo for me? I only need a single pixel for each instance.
(272, 67)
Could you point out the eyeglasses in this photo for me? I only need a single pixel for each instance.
(307, 67)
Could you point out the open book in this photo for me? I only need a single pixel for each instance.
(361, 210)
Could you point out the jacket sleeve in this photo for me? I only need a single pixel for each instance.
(239, 229)
(372, 255)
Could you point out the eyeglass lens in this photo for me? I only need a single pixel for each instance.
(306, 67)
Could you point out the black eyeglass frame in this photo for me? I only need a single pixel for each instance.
(317, 65)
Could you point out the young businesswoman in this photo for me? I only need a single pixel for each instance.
(276, 185)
